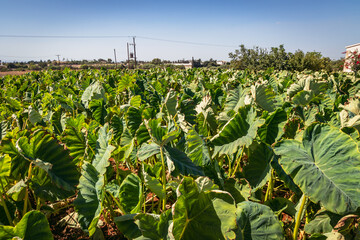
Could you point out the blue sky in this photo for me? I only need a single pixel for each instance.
(317, 25)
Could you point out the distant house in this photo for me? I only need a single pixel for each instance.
(221, 63)
(349, 50)
(186, 65)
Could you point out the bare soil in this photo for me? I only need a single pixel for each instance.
(2, 74)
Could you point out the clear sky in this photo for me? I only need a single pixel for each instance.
(326, 26)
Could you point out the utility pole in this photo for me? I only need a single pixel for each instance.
(115, 59)
(131, 55)
(128, 54)
(58, 56)
(134, 50)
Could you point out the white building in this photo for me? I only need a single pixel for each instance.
(220, 62)
(349, 50)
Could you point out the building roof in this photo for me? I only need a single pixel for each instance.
(354, 45)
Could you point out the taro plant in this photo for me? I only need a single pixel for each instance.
(179, 154)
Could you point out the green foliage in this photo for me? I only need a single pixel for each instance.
(277, 58)
(321, 163)
(183, 154)
(207, 215)
(257, 221)
(240, 130)
(89, 200)
(33, 225)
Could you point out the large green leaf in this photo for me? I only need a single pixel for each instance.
(148, 150)
(206, 117)
(280, 204)
(323, 222)
(303, 97)
(153, 183)
(171, 102)
(4, 128)
(272, 129)
(92, 139)
(202, 215)
(19, 165)
(326, 161)
(133, 119)
(264, 96)
(56, 119)
(135, 101)
(156, 131)
(93, 92)
(154, 226)
(33, 225)
(5, 166)
(289, 182)
(125, 82)
(103, 150)
(117, 126)
(187, 107)
(126, 225)
(257, 222)
(296, 87)
(196, 149)
(34, 116)
(17, 191)
(142, 134)
(257, 170)
(13, 103)
(178, 162)
(237, 132)
(75, 138)
(235, 99)
(318, 87)
(61, 171)
(130, 196)
(98, 110)
(90, 197)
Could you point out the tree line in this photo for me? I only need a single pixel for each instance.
(278, 58)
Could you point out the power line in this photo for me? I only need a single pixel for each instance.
(60, 36)
(26, 56)
(117, 36)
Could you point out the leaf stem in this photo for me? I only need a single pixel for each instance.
(108, 201)
(38, 204)
(118, 204)
(117, 167)
(270, 188)
(163, 178)
(3, 203)
(230, 170)
(27, 190)
(238, 162)
(299, 218)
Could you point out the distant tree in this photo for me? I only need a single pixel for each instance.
(210, 63)
(296, 61)
(11, 65)
(42, 64)
(253, 59)
(156, 61)
(277, 58)
(196, 63)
